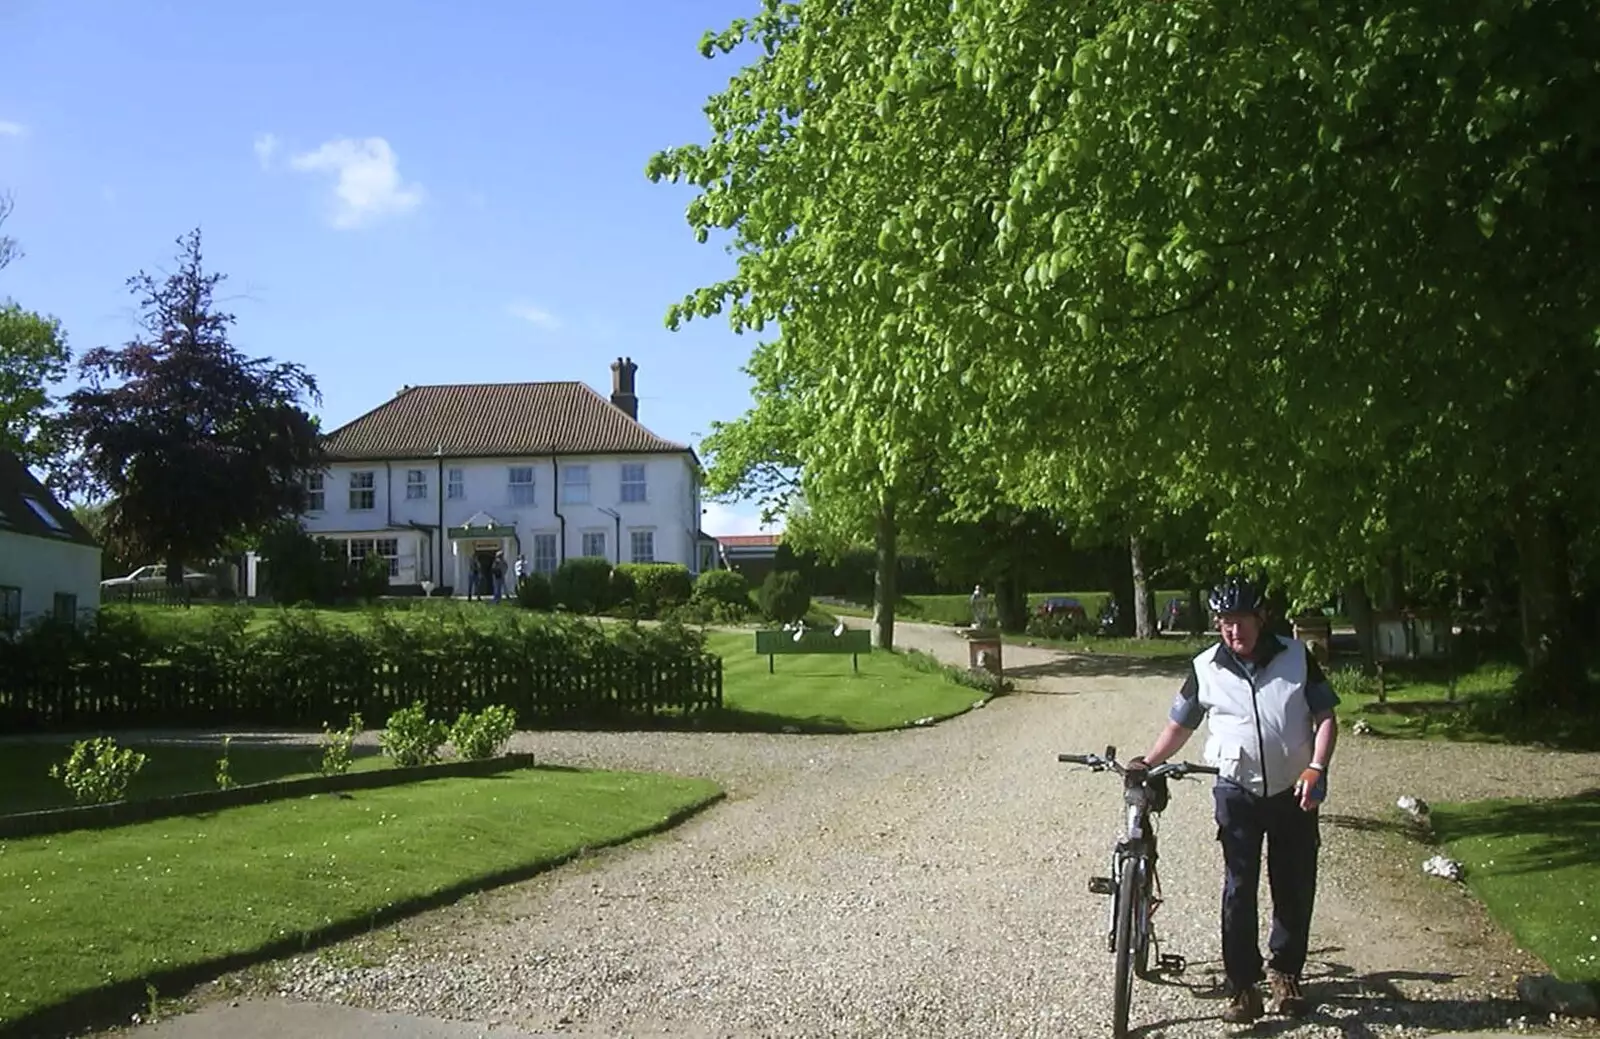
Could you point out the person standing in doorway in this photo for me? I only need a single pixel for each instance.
(498, 570)
(521, 571)
(1272, 732)
(474, 575)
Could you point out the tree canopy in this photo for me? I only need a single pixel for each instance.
(1324, 274)
(33, 359)
(194, 443)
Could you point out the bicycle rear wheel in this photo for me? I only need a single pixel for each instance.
(1126, 937)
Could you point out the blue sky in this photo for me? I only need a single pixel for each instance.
(400, 192)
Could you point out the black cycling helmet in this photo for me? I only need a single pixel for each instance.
(1236, 595)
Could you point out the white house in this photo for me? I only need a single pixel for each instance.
(550, 470)
(49, 565)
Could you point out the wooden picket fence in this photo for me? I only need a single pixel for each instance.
(291, 693)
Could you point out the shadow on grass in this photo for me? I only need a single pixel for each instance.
(1558, 833)
(111, 1005)
(1353, 1004)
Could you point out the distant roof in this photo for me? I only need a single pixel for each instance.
(487, 420)
(750, 540)
(28, 507)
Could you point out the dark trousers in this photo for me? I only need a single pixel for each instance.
(1293, 838)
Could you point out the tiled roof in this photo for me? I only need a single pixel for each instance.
(494, 420)
(26, 507)
(750, 540)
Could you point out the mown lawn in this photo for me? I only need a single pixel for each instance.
(88, 909)
(1536, 866)
(820, 693)
(170, 768)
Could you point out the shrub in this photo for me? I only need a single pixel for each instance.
(1350, 681)
(338, 747)
(783, 597)
(297, 568)
(411, 737)
(98, 770)
(583, 584)
(483, 735)
(370, 577)
(656, 585)
(1057, 625)
(533, 592)
(702, 611)
(621, 589)
(723, 586)
(225, 766)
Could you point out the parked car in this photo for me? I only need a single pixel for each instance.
(154, 576)
(1060, 604)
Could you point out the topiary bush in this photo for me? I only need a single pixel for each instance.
(412, 738)
(583, 584)
(657, 585)
(724, 586)
(485, 734)
(534, 592)
(783, 597)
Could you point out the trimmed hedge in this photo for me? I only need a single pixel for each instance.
(583, 585)
(299, 670)
(657, 585)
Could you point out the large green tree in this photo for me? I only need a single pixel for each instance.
(33, 359)
(193, 443)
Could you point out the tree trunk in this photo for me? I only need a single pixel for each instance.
(1197, 612)
(1393, 589)
(1144, 624)
(884, 594)
(1011, 601)
(1359, 606)
(1555, 673)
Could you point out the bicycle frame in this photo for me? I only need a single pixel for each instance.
(1136, 895)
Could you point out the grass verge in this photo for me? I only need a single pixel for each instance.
(957, 609)
(170, 768)
(821, 694)
(1536, 866)
(88, 919)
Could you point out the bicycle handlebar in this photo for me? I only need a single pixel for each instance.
(1109, 762)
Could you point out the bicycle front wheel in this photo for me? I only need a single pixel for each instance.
(1126, 937)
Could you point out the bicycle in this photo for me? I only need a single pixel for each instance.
(1134, 884)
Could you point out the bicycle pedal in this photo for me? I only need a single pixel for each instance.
(1171, 963)
(1102, 886)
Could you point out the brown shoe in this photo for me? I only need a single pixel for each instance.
(1244, 1008)
(1287, 999)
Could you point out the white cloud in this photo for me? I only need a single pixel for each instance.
(721, 520)
(9, 129)
(369, 185)
(534, 315)
(266, 147)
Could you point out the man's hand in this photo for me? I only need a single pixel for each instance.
(1136, 763)
(1312, 787)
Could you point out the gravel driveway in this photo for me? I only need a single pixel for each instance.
(932, 883)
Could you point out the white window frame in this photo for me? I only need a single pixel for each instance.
(541, 562)
(389, 548)
(316, 492)
(455, 484)
(588, 546)
(65, 607)
(575, 485)
(416, 485)
(634, 491)
(520, 492)
(364, 488)
(634, 554)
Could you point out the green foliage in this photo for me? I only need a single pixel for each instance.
(370, 577)
(195, 444)
(621, 590)
(225, 765)
(583, 584)
(534, 592)
(302, 667)
(298, 569)
(485, 734)
(1350, 681)
(656, 585)
(783, 596)
(33, 360)
(412, 738)
(728, 587)
(98, 771)
(338, 747)
(1059, 625)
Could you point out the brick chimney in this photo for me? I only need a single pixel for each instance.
(622, 394)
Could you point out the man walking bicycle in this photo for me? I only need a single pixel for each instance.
(1272, 734)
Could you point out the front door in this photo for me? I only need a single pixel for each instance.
(485, 558)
